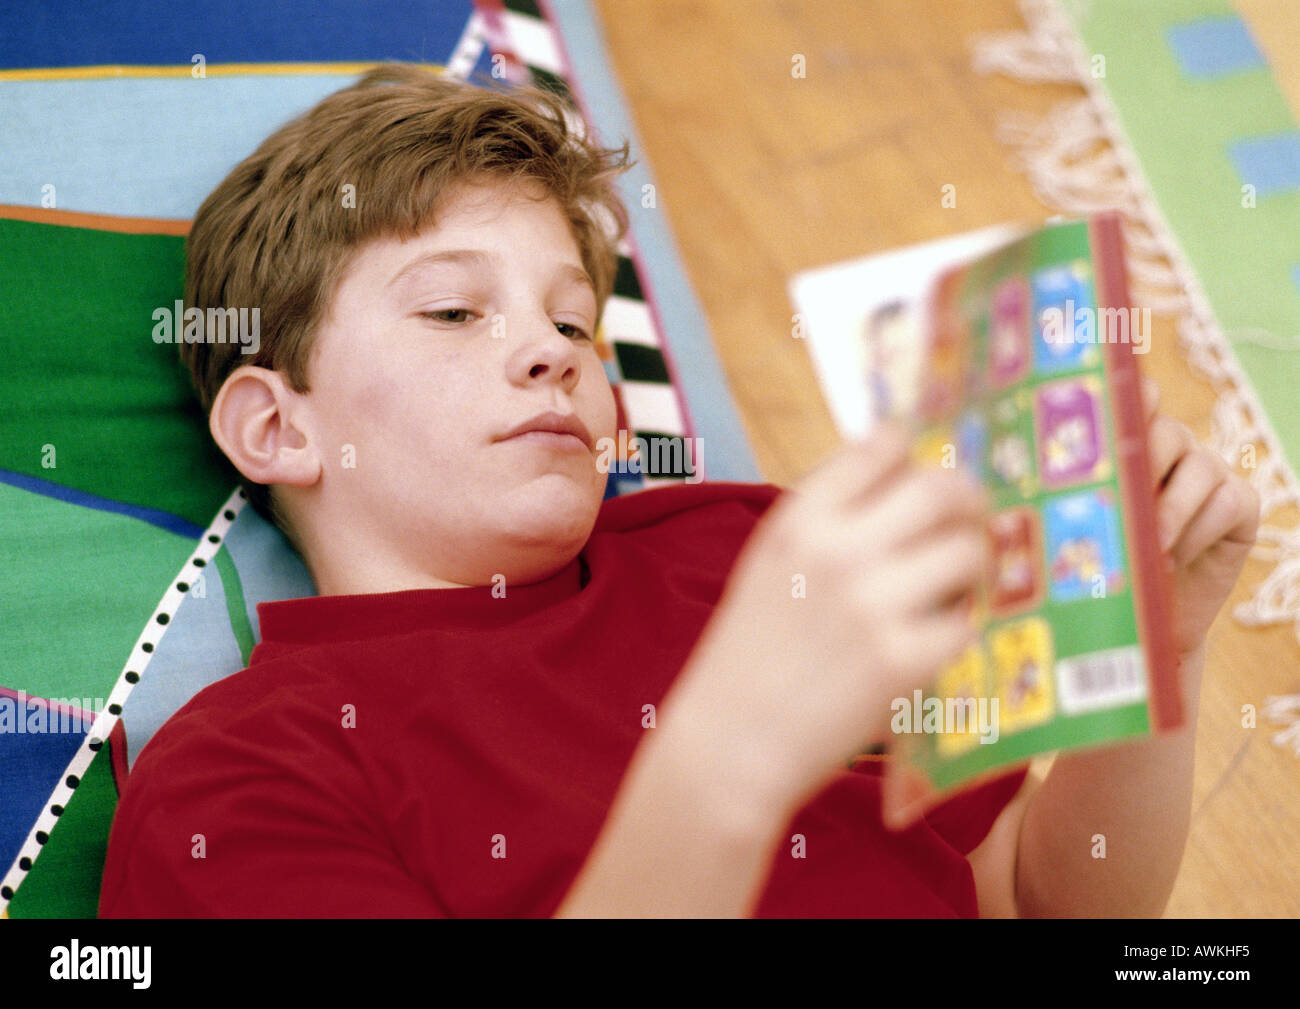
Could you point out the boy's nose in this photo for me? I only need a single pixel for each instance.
(547, 357)
(568, 372)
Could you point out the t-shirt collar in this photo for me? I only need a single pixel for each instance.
(318, 619)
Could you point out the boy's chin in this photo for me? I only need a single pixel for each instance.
(551, 509)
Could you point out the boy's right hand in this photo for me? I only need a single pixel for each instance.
(783, 687)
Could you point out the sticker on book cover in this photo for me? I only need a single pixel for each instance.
(1084, 546)
(1071, 436)
(1065, 336)
(964, 687)
(1016, 556)
(895, 359)
(1023, 654)
(1009, 333)
(1100, 680)
(972, 444)
(947, 374)
(936, 446)
(1010, 444)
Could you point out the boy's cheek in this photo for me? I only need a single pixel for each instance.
(607, 414)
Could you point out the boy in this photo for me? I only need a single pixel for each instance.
(511, 700)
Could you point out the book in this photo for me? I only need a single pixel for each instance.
(1012, 353)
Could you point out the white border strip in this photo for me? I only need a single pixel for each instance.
(470, 47)
(533, 42)
(137, 662)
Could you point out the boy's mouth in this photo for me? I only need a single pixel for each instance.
(561, 430)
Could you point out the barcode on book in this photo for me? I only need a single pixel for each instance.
(1101, 680)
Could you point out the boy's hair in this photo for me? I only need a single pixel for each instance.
(278, 233)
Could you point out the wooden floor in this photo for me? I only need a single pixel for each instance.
(763, 174)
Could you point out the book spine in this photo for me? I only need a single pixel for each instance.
(1152, 587)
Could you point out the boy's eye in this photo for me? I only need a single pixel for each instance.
(439, 315)
(435, 315)
(578, 334)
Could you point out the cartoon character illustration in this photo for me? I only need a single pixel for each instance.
(895, 355)
(1085, 548)
(1071, 441)
(1027, 684)
(1065, 445)
(1063, 296)
(1078, 560)
(1015, 574)
(972, 438)
(1011, 459)
(936, 446)
(948, 376)
(1010, 439)
(965, 678)
(1016, 581)
(1009, 332)
(1023, 657)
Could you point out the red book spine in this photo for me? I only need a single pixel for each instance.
(1152, 587)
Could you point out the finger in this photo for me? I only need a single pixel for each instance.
(1195, 479)
(924, 500)
(1230, 515)
(1168, 442)
(939, 570)
(915, 650)
(941, 639)
(856, 470)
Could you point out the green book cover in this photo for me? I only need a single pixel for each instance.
(1021, 367)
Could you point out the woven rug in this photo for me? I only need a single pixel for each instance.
(132, 567)
(1186, 130)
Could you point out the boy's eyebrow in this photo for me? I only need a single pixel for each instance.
(477, 257)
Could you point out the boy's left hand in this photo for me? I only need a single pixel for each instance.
(1207, 516)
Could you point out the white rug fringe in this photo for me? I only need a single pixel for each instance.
(1079, 161)
(1284, 710)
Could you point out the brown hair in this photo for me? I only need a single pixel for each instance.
(276, 233)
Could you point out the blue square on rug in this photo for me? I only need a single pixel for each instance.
(1214, 47)
(1271, 164)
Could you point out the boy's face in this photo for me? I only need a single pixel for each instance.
(424, 366)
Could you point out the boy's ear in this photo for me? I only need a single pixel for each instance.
(255, 420)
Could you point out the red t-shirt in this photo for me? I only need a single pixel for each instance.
(381, 752)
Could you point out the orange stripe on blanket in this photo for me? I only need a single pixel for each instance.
(99, 222)
(187, 70)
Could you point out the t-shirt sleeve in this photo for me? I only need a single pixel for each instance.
(251, 817)
(966, 819)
